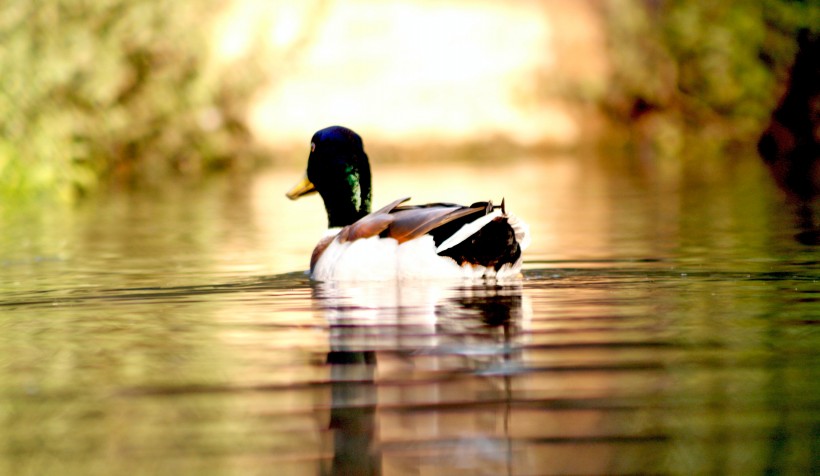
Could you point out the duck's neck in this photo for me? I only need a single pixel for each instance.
(339, 216)
(346, 209)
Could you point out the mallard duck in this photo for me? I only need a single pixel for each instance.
(435, 240)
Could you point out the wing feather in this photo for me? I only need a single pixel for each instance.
(390, 206)
(371, 224)
(406, 223)
(412, 223)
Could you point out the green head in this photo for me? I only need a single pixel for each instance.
(339, 170)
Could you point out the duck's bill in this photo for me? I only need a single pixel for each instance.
(304, 187)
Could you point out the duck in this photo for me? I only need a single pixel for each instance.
(400, 241)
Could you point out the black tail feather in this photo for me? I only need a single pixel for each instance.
(493, 246)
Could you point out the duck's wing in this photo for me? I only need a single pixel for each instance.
(371, 224)
(413, 222)
(390, 206)
(409, 222)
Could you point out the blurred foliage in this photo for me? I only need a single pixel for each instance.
(117, 88)
(129, 89)
(699, 76)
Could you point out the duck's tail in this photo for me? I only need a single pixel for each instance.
(492, 240)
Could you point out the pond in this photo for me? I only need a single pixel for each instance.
(664, 324)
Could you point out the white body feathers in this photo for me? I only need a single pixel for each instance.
(381, 259)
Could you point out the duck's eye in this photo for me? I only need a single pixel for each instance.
(312, 146)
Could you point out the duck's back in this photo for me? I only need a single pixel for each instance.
(432, 241)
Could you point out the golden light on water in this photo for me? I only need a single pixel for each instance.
(421, 70)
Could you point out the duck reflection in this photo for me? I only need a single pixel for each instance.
(400, 351)
(353, 414)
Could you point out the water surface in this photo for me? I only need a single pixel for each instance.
(661, 326)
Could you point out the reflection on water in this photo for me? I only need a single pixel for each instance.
(656, 329)
(427, 335)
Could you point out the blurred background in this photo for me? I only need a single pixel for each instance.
(155, 317)
(112, 92)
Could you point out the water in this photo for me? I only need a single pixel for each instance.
(663, 325)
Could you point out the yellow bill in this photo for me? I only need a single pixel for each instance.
(304, 187)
